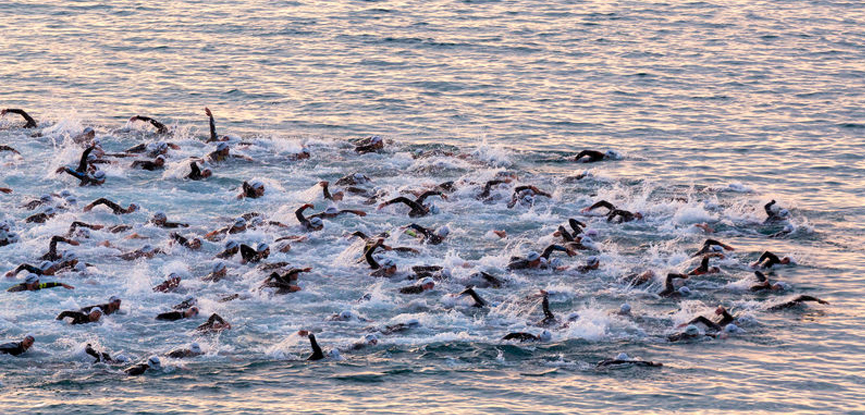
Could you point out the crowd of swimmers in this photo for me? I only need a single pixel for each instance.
(281, 278)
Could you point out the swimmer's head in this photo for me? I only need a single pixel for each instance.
(195, 348)
(31, 279)
(231, 245)
(331, 210)
(427, 283)
(45, 198)
(28, 341)
(684, 291)
(371, 339)
(99, 175)
(316, 223)
(159, 217)
(114, 300)
(218, 267)
(731, 328)
(154, 362)
(533, 256)
(345, 315)
(545, 336)
(45, 265)
(262, 247)
(623, 356)
(222, 147)
(240, 222)
(434, 209)
(692, 330)
(625, 308)
(443, 232)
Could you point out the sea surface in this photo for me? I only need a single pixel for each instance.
(716, 107)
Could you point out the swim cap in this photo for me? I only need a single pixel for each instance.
(533, 256)
(173, 276)
(585, 240)
(195, 348)
(359, 177)
(556, 262)
(64, 193)
(591, 232)
(546, 336)
(160, 216)
(789, 228)
(162, 146)
(622, 356)
(94, 310)
(257, 184)
(154, 362)
(114, 299)
(99, 175)
(613, 154)
(625, 308)
(262, 247)
(731, 328)
(49, 211)
(194, 310)
(222, 146)
(206, 169)
(783, 213)
(304, 150)
(427, 280)
(780, 285)
(219, 266)
(444, 231)
(4, 226)
(334, 354)
(716, 248)
(71, 200)
(412, 322)
(370, 338)
(346, 315)
(160, 157)
(96, 142)
(573, 316)
(82, 232)
(331, 210)
(316, 222)
(692, 330)
(388, 263)
(69, 256)
(80, 267)
(146, 248)
(31, 279)
(30, 336)
(88, 130)
(45, 198)
(231, 244)
(45, 265)
(684, 290)
(592, 261)
(239, 222)
(528, 199)
(434, 209)
(375, 139)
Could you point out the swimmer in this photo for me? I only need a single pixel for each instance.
(670, 290)
(45, 268)
(521, 337)
(187, 302)
(470, 291)
(532, 260)
(43, 200)
(332, 212)
(197, 173)
(549, 318)
(764, 283)
(386, 268)
(178, 315)
(252, 190)
(594, 156)
(249, 255)
(217, 273)
(768, 259)
(194, 350)
(418, 209)
(369, 145)
(303, 154)
(788, 229)
(485, 194)
(526, 195)
(427, 235)
(704, 268)
(79, 317)
(325, 189)
(637, 278)
(152, 364)
(285, 283)
(52, 254)
(85, 136)
(222, 153)
(708, 248)
(168, 285)
(623, 359)
(623, 216)
(346, 315)
(311, 225)
(425, 284)
(316, 350)
(159, 219)
(238, 227)
(355, 179)
(368, 340)
(691, 333)
(157, 164)
(592, 263)
(775, 215)
(146, 251)
(9, 149)
(400, 327)
(109, 308)
(31, 123)
(213, 136)
(231, 249)
(726, 318)
(19, 348)
(486, 280)
(160, 127)
(194, 244)
(797, 301)
(600, 204)
(42, 217)
(31, 283)
(101, 357)
(117, 209)
(214, 324)
(74, 228)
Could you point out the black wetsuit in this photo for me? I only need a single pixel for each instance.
(31, 123)
(772, 259)
(15, 349)
(644, 363)
(160, 127)
(317, 354)
(147, 165)
(117, 209)
(106, 309)
(52, 254)
(670, 290)
(625, 216)
(429, 236)
(479, 302)
(196, 172)
(76, 316)
(23, 287)
(171, 316)
(593, 156)
(208, 325)
(137, 370)
(522, 337)
(99, 356)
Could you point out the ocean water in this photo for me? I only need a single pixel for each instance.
(715, 107)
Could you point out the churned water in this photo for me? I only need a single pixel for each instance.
(715, 107)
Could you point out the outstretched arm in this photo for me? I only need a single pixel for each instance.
(212, 125)
(427, 194)
(408, 202)
(601, 204)
(31, 123)
(549, 250)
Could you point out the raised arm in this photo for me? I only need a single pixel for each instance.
(31, 123)
(82, 163)
(600, 204)
(212, 125)
(427, 194)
